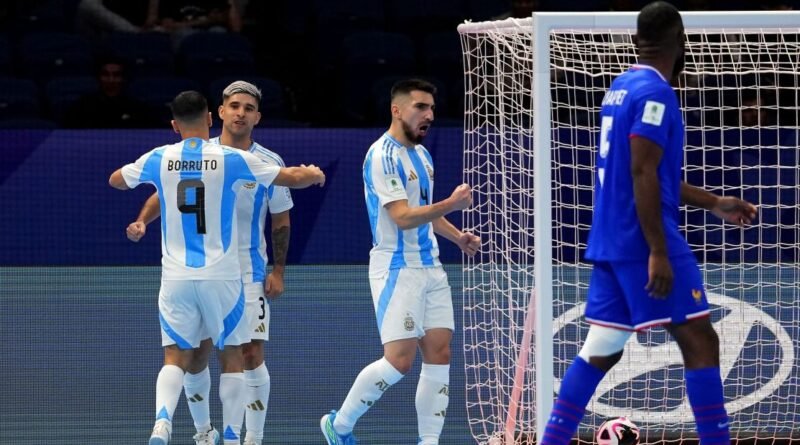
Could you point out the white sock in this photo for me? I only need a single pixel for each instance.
(257, 384)
(168, 390)
(198, 388)
(369, 386)
(432, 400)
(232, 395)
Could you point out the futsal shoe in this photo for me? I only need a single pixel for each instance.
(161, 433)
(210, 437)
(326, 424)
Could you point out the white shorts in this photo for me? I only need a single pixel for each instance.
(257, 311)
(410, 301)
(192, 310)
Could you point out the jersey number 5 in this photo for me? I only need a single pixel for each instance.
(605, 144)
(199, 206)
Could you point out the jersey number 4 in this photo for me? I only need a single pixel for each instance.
(199, 206)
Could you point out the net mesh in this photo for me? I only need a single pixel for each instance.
(739, 99)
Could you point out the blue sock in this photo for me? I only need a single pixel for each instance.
(704, 389)
(577, 388)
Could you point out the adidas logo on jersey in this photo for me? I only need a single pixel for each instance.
(412, 176)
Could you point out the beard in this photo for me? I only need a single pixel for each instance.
(411, 135)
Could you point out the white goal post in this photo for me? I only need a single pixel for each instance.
(532, 93)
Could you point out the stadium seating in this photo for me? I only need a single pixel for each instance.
(158, 91)
(63, 92)
(369, 56)
(51, 54)
(5, 56)
(144, 54)
(351, 15)
(418, 17)
(206, 56)
(19, 98)
(481, 10)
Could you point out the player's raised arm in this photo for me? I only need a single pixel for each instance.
(728, 208)
(300, 177)
(411, 217)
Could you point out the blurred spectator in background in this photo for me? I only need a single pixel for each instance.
(111, 106)
(756, 106)
(183, 17)
(102, 16)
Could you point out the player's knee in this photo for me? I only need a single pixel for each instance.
(603, 346)
(402, 363)
(253, 354)
(605, 363)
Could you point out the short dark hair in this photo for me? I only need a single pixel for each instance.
(656, 20)
(189, 106)
(408, 85)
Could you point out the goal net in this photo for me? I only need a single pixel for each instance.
(533, 189)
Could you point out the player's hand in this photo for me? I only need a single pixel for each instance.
(273, 286)
(461, 197)
(136, 231)
(468, 243)
(659, 276)
(319, 175)
(735, 210)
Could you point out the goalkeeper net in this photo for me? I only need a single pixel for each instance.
(740, 105)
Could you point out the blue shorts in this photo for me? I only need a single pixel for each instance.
(618, 298)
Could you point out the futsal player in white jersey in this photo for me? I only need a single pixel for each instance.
(239, 114)
(201, 292)
(410, 292)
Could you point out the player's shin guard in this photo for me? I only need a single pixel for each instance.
(431, 401)
(704, 389)
(198, 388)
(577, 387)
(168, 390)
(369, 386)
(232, 394)
(257, 384)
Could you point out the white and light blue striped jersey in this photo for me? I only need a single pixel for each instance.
(252, 202)
(393, 172)
(196, 183)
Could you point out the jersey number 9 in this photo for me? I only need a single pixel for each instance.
(199, 206)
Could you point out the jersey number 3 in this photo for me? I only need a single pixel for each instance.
(199, 206)
(605, 144)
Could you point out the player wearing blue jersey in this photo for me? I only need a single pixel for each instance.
(410, 292)
(201, 292)
(638, 249)
(239, 114)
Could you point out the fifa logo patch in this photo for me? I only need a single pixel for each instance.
(409, 323)
(697, 295)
